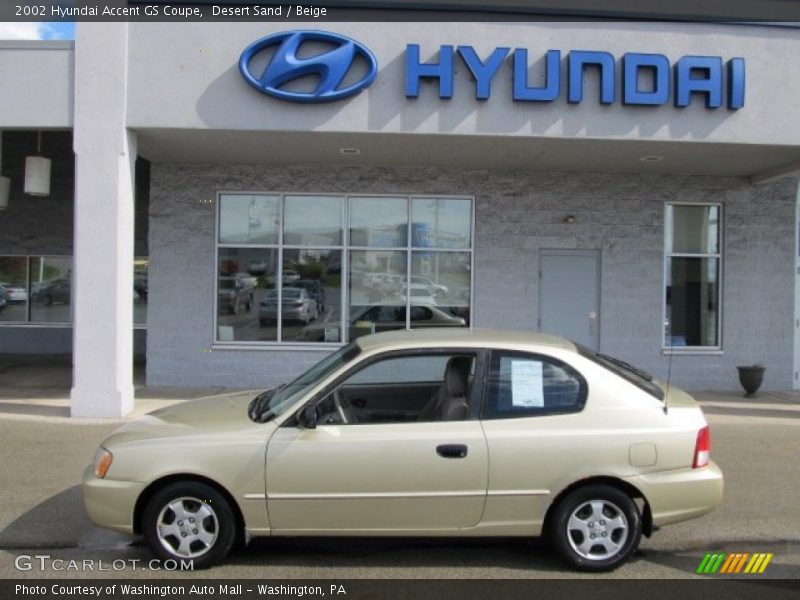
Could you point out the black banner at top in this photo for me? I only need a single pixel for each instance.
(773, 12)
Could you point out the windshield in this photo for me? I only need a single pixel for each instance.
(276, 401)
(641, 379)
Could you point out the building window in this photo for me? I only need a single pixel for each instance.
(325, 269)
(35, 289)
(38, 290)
(692, 273)
(141, 291)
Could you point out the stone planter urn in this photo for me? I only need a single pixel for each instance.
(751, 378)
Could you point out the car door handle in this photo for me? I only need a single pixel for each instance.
(451, 450)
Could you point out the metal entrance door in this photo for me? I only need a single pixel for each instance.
(569, 296)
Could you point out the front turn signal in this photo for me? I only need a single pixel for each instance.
(102, 462)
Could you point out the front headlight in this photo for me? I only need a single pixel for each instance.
(102, 461)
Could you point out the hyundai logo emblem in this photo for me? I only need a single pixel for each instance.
(286, 66)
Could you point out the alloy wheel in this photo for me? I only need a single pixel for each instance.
(597, 529)
(187, 527)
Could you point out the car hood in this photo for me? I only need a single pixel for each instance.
(207, 416)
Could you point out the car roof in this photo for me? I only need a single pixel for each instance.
(461, 336)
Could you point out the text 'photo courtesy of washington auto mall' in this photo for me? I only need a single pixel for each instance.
(399, 300)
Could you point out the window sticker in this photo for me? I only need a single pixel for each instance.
(527, 385)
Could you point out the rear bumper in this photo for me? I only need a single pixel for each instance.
(110, 503)
(680, 495)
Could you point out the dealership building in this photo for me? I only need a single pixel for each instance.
(231, 201)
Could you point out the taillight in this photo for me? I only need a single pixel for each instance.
(702, 449)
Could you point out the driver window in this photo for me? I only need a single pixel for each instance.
(403, 389)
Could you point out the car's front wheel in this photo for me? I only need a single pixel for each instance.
(189, 521)
(596, 528)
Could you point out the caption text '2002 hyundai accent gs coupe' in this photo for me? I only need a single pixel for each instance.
(419, 433)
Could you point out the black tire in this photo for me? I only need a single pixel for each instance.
(47, 300)
(194, 494)
(614, 504)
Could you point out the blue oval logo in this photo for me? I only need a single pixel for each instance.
(285, 66)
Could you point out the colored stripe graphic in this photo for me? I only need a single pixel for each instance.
(711, 563)
(758, 563)
(703, 563)
(729, 563)
(741, 562)
(720, 562)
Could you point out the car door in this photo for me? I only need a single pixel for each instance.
(379, 476)
(536, 434)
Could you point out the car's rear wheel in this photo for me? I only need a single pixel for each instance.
(189, 521)
(596, 528)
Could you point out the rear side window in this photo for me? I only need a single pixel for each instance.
(528, 385)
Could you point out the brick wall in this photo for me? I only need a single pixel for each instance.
(517, 214)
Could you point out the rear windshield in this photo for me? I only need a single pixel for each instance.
(641, 379)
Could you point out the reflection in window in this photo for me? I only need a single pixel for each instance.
(140, 290)
(291, 287)
(376, 291)
(246, 279)
(13, 289)
(441, 223)
(441, 280)
(312, 221)
(248, 219)
(312, 292)
(51, 289)
(378, 222)
(693, 266)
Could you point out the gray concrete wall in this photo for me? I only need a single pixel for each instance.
(517, 214)
(185, 75)
(52, 340)
(37, 83)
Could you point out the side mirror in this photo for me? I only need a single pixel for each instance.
(307, 417)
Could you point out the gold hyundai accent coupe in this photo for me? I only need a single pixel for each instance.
(441, 432)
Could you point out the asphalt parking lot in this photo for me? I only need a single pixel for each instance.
(756, 443)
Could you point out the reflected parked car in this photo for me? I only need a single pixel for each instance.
(257, 267)
(247, 280)
(383, 317)
(233, 296)
(14, 293)
(297, 305)
(439, 432)
(421, 295)
(54, 291)
(315, 289)
(436, 289)
(3, 301)
(290, 276)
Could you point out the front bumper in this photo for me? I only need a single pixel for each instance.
(110, 502)
(680, 495)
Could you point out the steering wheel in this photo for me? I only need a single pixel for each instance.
(338, 402)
